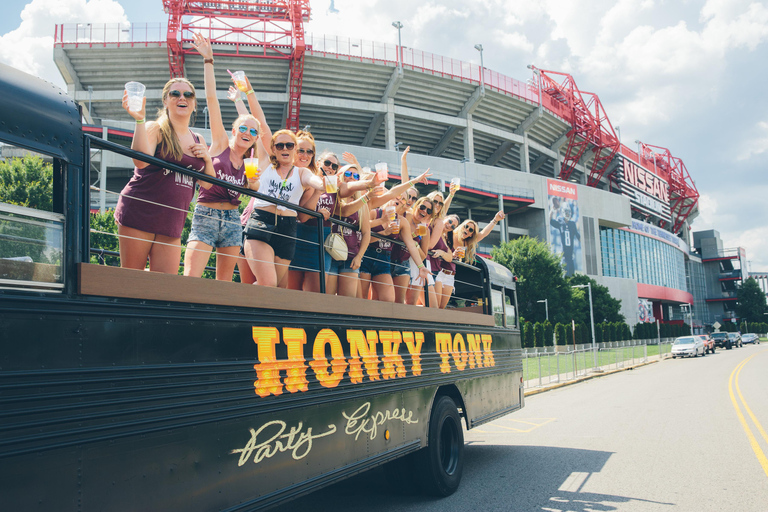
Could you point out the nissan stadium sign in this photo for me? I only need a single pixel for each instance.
(647, 192)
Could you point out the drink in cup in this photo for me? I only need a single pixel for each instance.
(331, 184)
(422, 230)
(381, 171)
(461, 251)
(251, 168)
(456, 184)
(135, 92)
(239, 78)
(391, 212)
(396, 229)
(379, 190)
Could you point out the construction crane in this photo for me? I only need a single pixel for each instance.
(270, 29)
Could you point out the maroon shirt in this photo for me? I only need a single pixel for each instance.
(384, 245)
(160, 186)
(327, 201)
(225, 171)
(353, 237)
(440, 263)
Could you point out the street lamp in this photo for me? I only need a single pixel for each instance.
(479, 48)
(588, 286)
(546, 307)
(686, 309)
(399, 26)
(397, 146)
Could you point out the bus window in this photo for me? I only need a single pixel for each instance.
(510, 311)
(497, 301)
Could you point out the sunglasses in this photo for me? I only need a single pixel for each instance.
(426, 209)
(303, 151)
(450, 224)
(244, 129)
(412, 198)
(284, 145)
(332, 165)
(469, 229)
(177, 94)
(439, 203)
(350, 174)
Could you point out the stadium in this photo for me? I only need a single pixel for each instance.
(538, 148)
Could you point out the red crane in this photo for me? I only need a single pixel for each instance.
(590, 126)
(268, 29)
(683, 195)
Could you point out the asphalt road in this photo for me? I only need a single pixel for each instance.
(666, 436)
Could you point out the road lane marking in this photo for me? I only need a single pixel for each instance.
(752, 439)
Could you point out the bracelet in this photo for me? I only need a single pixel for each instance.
(238, 99)
(142, 121)
(249, 92)
(364, 200)
(208, 61)
(420, 265)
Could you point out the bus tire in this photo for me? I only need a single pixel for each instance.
(442, 461)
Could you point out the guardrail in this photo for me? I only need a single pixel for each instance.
(544, 366)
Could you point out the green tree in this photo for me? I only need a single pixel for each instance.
(538, 334)
(527, 335)
(751, 303)
(548, 332)
(27, 181)
(104, 236)
(540, 276)
(561, 334)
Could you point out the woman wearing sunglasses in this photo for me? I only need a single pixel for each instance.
(153, 206)
(418, 223)
(216, 221)
(441, 257)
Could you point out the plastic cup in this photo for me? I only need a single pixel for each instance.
(331, 184)
(461, 251)
(251, 168)
(135, 92)
(422, 230)
(239, 78)
(379, 190)
(456, 184)
(396, 229)
(381, 171)
(391, 212)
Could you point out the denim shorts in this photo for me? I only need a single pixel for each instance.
(283, 239)
(217, 228)
(307, 257)
(342, 267)
(400, 268)
(375, 262)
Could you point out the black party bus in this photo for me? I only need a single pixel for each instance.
(131, 390)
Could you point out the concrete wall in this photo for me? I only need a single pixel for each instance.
(626, 291)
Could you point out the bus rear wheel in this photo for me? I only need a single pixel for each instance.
(442, 461)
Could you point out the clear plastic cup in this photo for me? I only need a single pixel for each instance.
(331, 184)
(461, 251)
(422, 230)
(456, 184)
(396, 229)
(135, 92)
(391, 212)
(251, 168)
(239, 78)
(381, 171)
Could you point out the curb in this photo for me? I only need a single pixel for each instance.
(586, 377)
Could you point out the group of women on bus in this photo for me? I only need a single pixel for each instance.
(272, 244)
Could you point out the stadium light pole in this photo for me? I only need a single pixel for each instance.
(618, 129)
(546, 307)
(399, 27)
(537, 72)
(588, 286)
(479, 47)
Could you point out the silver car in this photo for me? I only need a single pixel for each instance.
(750, 338)
(688, 346)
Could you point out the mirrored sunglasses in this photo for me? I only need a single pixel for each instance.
(350, 174)
(177, 94)
(243, 128)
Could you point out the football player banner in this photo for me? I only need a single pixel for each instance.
(564, 234)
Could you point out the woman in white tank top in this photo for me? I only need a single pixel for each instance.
(280, 179)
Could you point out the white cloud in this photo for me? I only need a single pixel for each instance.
(30, 46)
(756, 145)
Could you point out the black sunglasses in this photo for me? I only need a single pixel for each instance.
(332, 165)
(412, 198)
(284, 145)
(350, 174)
(426, 209)
(243, 129)
(177, 94)
(469, 229)
(438, 202)
(303, 151)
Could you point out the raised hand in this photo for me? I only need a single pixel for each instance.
(500, 216)
(137, 115)
(202, 45)
(423, 177)
(233, 94)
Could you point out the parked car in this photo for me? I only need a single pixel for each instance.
(721, 340)
(750, 338)
(735, 339)
(688, 346)
(709, 343)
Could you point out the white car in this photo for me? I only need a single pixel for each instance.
(688, 346)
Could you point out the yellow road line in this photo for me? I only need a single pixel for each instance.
(752, 439)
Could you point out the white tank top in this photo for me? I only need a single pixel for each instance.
(272, 185)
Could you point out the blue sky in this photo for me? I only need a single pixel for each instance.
(682, 74)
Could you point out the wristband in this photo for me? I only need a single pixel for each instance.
(238, 99)
(208, 61)
(420, 265)
(142, 121)
(364, 200)
(250, 91)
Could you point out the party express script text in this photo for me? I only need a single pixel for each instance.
(363, 355)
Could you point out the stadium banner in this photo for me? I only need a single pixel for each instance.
(645, 311)
(564, 233)
(647, 192)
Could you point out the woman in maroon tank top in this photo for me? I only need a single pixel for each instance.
(153, 206)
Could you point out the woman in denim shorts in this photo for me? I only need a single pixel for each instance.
(216, 221)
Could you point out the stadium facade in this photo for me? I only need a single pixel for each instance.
(541, 150)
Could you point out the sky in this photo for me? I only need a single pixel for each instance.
(687, 75)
